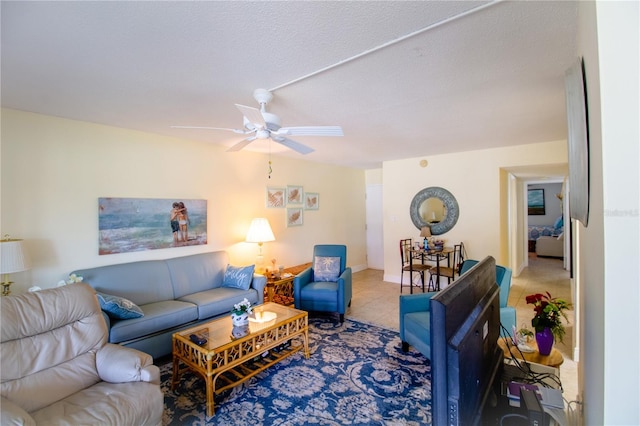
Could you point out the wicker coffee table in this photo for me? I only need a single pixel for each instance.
(232, 355)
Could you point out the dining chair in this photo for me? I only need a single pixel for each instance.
(451, 270)
(408, 265)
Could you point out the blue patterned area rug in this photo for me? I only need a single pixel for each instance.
(357, 375)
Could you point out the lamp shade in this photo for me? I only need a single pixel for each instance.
(425, 232)
(13, 257)
(260, 231)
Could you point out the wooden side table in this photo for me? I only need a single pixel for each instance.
(280, 290)
(554, 359)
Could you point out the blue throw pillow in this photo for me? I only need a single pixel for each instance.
(119, 307)
(238, 277)
(559, 223)
(326, 268)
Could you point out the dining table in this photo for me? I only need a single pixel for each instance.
(437, 255)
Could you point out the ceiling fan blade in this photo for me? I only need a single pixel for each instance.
(242, 132)
(311, 131)
(296, 146)
(253, 115)
(241, 144)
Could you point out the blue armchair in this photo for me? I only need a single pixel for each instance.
(415, 322)
(503, 278)
(326, 286)
(415, 312)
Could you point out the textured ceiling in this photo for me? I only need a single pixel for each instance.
(403, 78)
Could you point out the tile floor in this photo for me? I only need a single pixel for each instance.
(376, 302)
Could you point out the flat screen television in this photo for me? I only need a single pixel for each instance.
(465, 357)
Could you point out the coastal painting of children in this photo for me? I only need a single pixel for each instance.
(136, 224)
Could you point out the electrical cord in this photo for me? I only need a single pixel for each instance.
(529, 375)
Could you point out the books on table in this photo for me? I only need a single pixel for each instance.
(548, 397)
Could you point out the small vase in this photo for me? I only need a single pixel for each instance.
(544, 339)
(240, 319)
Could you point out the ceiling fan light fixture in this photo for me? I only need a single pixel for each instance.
(262, 134)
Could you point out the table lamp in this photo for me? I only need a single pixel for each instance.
(12, 259)
(260, 232)
(425, 232)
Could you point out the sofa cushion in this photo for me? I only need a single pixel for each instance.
(132, 403)
(158, 316)
(141, 282)
(119, 307)
(326, 268)
(326, 291)
(197, 272)
(238, 276)
(219, 301)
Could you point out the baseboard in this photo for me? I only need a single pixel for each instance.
(390, 278)
(358, 268)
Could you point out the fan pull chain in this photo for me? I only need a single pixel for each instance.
(270, 169)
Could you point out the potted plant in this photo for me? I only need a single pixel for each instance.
(240, 312)
(547, 320)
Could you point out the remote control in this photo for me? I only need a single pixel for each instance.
(197, 340)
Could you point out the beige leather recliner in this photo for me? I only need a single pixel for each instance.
(56, 367)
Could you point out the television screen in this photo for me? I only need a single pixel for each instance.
(465, 327)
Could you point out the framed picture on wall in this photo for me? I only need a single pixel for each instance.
(276, 197)
(294, 216)
(138, 224)
(294, 194)
(311, 201)
(577, 142)
(535, 202)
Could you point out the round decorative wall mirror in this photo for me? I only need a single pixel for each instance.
(436, 208)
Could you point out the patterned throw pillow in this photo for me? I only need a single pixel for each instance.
(326, 268)
(119, 307)
(238, 277)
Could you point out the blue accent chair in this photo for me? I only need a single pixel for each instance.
(324, 296)
(415, 322)
(503, 279)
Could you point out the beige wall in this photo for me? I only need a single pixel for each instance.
(608, 249)
(54, 170)
(475, 179)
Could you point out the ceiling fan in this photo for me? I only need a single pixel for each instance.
(260, 124)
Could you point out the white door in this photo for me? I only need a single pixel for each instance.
(375, 252)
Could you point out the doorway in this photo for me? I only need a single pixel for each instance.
(375, 244)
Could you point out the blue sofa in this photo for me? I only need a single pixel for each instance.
(415, 312)
(173, 294)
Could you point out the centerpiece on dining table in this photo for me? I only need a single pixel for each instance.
(438, 244)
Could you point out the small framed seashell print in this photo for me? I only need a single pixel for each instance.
(294, 216)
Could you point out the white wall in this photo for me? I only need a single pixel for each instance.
(54, 170)
(609, 371)
(475, 179)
